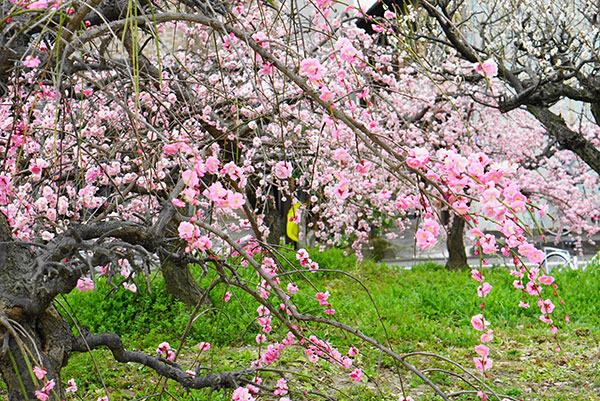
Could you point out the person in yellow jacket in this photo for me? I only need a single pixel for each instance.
(292, 226)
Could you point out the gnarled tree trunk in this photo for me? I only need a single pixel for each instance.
(179, 281)
(32, 332)
(178, 278)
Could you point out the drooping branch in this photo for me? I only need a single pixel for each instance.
(161, 366)
(317, 319)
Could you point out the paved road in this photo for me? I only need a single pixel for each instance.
(403, 252)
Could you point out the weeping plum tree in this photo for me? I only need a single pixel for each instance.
(135, 134)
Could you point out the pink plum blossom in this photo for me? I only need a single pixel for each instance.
(203, 243)
(357, 375)
(85, 284)
(281, 388)
(547, 306)
(48, 386)
(425, 239)
(487, 337)
(418, 157)
(322, 297)
(488, 68)
(130, 287)
(236, 200)
(292, 288)
(40, 373)
(482, 350)
(532, 288)
(212, 164)
(163, 348)
(479, 323)
(261, 38)
(37, 5)
(283, 170)
(476, 274)
(242, 394)
(72, 386)
(326, 94)
(186, 230)
(346, 50)
(483, 290)
(488, 244)
(482, 364)
(312, 69)
(31, 62)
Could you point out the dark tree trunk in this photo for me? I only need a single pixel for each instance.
(377, 10)
(275, 212)
(275, 222)
(33, 333)
(25, 307)
(178, 278)
(574, 141)
(457, 257)
(52, 338)
(273, 208)
(180, 283)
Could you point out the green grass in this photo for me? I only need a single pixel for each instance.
(426, 309)
(144, 319)
(431, 301)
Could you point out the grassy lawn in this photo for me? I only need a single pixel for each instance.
(424, 309)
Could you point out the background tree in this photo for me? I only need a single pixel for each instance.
(551, 172)
(547, 65)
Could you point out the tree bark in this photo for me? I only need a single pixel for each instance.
(179, 281)
(274, 221)
(32, 333)
(567, 138)
(52, 342)
(457, 257)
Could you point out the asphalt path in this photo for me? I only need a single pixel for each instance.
(403, 252)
